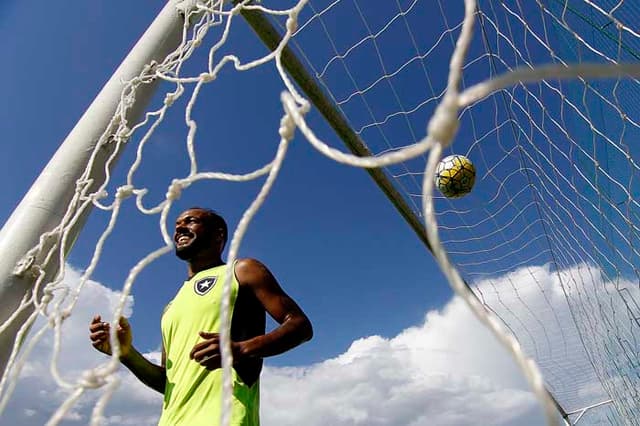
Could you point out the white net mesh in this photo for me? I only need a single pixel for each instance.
(556, 166)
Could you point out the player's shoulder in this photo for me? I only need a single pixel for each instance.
(249, 270)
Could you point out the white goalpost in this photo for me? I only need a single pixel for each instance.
(42, 228)
(539, 96)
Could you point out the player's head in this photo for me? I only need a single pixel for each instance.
(198, 231)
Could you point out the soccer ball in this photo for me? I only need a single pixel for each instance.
(455, 176)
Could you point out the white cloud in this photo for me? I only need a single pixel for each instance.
(532, 301)
(37, 396)
(448, 370)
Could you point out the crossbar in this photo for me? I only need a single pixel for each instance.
(271, 38)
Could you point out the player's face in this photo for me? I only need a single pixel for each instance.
(192, 234)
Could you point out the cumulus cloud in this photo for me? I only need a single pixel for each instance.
(544, 308)
(37, 396)
(448, 370)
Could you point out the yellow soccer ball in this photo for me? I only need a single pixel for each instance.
(455, 176)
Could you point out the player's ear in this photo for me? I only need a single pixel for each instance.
(219, 238)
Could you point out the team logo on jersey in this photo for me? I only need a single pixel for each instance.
(203, 286)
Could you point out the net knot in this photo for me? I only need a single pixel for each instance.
(205, 77)
(444, 123)
(124, 191)
(82, 184)
(123, 133)
(174, 191)
(150, 68)
(98, 195)
(24, 265)
(48, 293)
(292, 24)
(169, 99)
(90, 379)
(129, 100)
(186, 6)
(287, 127)
(66, 313)
(46, 297)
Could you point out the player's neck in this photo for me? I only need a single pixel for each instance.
(201, 263)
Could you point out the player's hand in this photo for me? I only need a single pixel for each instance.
(100, 332)
(207, 352)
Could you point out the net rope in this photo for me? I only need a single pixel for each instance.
(543, 198)
(510, 232)
(531, 144)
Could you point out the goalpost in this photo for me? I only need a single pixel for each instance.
(43, 227)
(544, 197)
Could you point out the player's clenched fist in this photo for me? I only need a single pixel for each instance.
(100, 335)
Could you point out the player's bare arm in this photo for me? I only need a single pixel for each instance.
(294, 326)
(147, 372)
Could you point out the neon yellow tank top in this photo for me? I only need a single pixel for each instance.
(192, 395)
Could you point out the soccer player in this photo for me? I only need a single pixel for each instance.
(190, 374)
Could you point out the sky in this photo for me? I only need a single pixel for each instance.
(391, 345)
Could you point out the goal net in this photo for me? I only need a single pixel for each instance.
(538, 95)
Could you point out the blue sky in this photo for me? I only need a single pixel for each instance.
(329, 235)
(326, 231)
